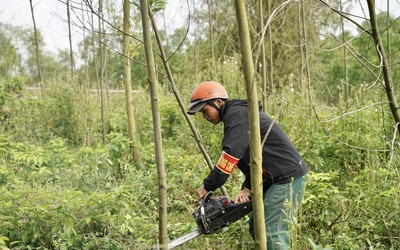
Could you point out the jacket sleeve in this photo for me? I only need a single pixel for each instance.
(215, 179)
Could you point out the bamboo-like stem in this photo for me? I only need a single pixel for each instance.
(38, 61)
(126, 40)
(162, 179)
(254, 126)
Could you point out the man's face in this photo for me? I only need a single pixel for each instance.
(210, 113)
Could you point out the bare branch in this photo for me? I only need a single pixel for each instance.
(396, 127)
(357, 56)
(345, 16)
(353, 112)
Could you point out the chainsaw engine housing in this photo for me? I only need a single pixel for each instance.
(215, 213)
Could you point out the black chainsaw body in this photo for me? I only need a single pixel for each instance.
(215, 213)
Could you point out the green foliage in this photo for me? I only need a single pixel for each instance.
(63, 112)
(61, 188)
(10, 89)
(363, 70)
(10, 60)
(89, 197)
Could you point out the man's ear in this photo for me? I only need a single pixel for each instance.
(219, 102)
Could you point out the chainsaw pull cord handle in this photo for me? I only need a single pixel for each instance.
(203, 201)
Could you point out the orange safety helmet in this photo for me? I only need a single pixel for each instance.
(204, 92)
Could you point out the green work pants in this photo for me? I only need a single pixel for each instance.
(280, 205)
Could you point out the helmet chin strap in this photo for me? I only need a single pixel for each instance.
(212, 104)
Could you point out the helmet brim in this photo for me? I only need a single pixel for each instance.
(195, 107)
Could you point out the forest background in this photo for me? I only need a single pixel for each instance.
(72, 176)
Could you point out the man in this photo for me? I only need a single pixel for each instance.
(284, 171)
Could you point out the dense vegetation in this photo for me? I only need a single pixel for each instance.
(62, 188)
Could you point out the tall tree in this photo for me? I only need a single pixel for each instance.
(126, 40)
(345, 77)
(39, 66)
(102, 70)
(162, 180)
(387, 74)
(85, 49)
(210, 26)
(10, 60)
(71, 53)
(306, 59)
(263, 62)
(255, 137)
(271, 54)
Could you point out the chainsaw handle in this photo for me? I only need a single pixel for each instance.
(203, 201)
(205, 198)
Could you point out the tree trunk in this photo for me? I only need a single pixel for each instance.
(271, 54)
(39, 65)
(387, 74)
(388, 36)
(85, 52)
(196, 47)
(162, 180)
(254, 125)
(263, 58)
(345, 75)
(71, 54)
(94, 50)
(101, 80)
(301, 66)
(210, 27)
(126, 40)
(307, 68)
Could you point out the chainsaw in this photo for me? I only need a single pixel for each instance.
(212, 215)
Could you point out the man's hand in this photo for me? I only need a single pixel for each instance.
(243, 196)
(201, 192)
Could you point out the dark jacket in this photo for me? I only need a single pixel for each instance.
(281, 161)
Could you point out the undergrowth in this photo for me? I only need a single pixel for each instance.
(61, 188)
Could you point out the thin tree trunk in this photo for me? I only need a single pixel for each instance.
(39, 65)
(388, 36)
(345, 77)
(180, 102)
(387, 74)
(263, 59)
(307, 68)
(162, 180)
(271, 54)
(210, 27)
(102, 66)
(86, 72)
(104, 61)
(126, 40)
(85, 52)
(94, 53)
(301, 66)
(196, 47)
(71, 54)
(254, 125)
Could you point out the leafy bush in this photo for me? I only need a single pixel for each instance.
(63, 189)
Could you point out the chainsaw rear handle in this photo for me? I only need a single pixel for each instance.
(203, 201)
